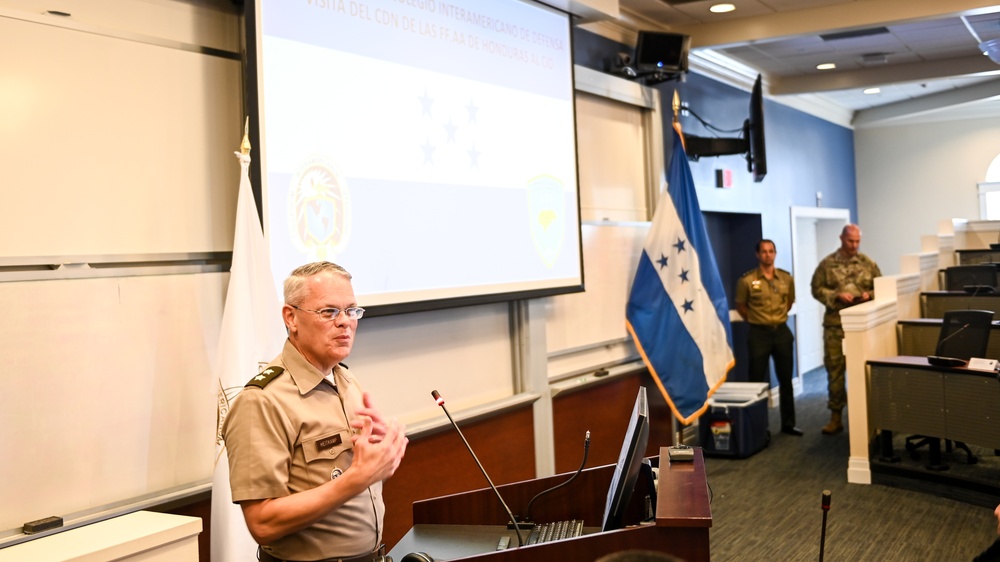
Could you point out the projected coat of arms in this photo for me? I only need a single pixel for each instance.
(546, 204)
(319, 207)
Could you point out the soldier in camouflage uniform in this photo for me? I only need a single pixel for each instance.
(844, 278)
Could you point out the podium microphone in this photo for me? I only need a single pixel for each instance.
(940, 361)
(822, 536)
(440, 402)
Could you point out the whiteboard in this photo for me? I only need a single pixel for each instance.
(617, 142)
(585, 330)
(111, 146)
(611, 142)
(108, 390)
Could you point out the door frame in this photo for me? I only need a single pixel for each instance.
(825, 221)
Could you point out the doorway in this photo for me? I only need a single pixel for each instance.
(815, 234)
(733, 236)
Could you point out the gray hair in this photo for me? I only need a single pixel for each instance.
(295, 285)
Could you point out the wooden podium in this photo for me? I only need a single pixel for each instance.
(469, 526)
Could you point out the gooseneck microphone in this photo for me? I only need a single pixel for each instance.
(822, 536)
(586, 449)
(955, 333)
(940, 361)
(440, 402)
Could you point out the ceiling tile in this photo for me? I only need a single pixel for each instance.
(912, 39)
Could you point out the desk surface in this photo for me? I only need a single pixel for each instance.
(920, 362)
(139, 535)
(682, 493)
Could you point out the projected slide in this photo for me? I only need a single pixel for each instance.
(426, 146)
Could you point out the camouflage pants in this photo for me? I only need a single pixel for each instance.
(836, 366)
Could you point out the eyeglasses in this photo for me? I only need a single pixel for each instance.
(353, 313)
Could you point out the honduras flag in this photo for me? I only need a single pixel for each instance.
(677, 311)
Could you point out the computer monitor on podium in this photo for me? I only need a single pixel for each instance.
(629, 463)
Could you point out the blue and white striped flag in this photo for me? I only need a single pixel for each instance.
(677, 311)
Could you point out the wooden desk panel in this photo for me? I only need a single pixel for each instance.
(908, 394)
(439, 464)
(972, 409)
(604, 408)
(682, 520)
(904, 398)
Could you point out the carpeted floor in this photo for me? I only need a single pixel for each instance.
(768, 506)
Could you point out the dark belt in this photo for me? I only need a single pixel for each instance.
(377, 556)
(767, 326)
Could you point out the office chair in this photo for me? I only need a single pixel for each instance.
(964, 334)
(978, 278)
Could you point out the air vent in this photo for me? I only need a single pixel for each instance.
(855, 33)
(871, 59)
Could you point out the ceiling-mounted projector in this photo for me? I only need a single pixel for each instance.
(991, 49)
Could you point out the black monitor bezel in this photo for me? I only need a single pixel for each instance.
(649, 45)
(629, 464)
(757, 156)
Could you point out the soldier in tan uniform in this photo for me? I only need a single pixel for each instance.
(764, 295)
(307, 450)
(844, 278)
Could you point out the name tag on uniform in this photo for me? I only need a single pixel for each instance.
(329, 442)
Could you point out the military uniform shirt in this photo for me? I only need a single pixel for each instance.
(293, 435)
(767, 300)
(839, 274)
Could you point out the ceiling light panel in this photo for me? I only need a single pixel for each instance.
(744, 8)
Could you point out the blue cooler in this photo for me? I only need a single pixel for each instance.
(735, 424)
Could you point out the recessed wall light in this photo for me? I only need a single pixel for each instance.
(826, 66)
(871, 91)
(722, 8)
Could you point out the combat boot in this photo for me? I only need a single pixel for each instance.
(836, 425)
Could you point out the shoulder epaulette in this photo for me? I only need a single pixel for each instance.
(783, 271)
(748, 272)
(265, 377)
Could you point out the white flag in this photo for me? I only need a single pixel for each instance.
(252, 334)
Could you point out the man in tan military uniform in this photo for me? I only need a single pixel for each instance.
(764, 295)
(307, 450)
(844, 278)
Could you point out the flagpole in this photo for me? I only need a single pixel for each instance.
(251, 334)
(245, 145)
(678, 428)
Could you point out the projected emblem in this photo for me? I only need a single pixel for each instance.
(546, 210)
(319, 208)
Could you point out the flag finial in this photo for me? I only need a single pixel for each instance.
(245, 145)
(676, 105)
